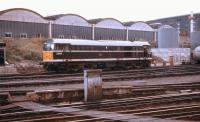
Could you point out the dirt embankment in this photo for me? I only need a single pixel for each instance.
(25, 54)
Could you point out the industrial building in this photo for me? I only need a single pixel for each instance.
(140, 31)
(108, 29)
(24, 23)
(70, 26)
(179, 22)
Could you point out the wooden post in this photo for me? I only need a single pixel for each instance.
(92, 85)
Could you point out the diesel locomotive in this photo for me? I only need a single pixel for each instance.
(76, 55)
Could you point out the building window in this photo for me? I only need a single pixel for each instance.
(61, 36)
(39, 35)
(83, 37)
(23, 35)
(8, 34)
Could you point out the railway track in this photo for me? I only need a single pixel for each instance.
(107, 76)
(129, 109)
(182, 106)
(137, 71)
(141, 90)
(136, 91)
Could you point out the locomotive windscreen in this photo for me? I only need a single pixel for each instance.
(48, 46)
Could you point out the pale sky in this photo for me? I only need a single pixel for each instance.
(123, 10)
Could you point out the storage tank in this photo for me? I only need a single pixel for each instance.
(196, 54)
(195, 39)
(167, 37)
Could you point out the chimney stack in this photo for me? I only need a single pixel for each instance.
(191, 18)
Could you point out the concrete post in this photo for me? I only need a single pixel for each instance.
(191, 22)
(164, 63)
(4, 55)
(156, 41)
(92, 85)
(178, 28)
(126, 33)
(50, 29)
(171, 60)
(93, 27)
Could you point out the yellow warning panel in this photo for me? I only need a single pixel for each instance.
(47, 56)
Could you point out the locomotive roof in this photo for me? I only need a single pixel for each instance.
(98, 42)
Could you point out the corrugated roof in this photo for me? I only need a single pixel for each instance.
(55, 17)
(7, 10)
(95, 21)
(129, 23)
(141, 26)
(166, 26)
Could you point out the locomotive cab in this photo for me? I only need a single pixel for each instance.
(55, 54)
(52, 51)
(47, 51)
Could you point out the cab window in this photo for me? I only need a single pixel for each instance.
(48, 46)
(61, 47)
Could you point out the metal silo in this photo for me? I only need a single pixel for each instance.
(167, 37)
(195, 39)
